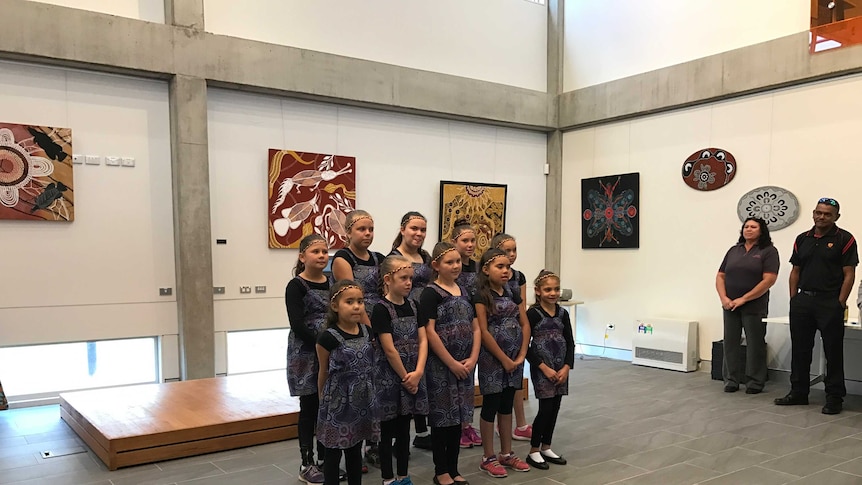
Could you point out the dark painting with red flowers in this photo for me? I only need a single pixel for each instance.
(309, 193)
(610, 211)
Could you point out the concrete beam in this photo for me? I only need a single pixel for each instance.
(101, 42)
(761, 67)
(554, 179)
(192, 228)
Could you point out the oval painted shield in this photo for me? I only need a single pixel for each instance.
(709, 169)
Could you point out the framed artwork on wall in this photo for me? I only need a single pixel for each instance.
(308, 193)
(484, 205)
(610, 211)
(36, 182)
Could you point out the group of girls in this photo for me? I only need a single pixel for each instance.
(399, 337)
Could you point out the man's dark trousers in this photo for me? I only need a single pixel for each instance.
(809, 313)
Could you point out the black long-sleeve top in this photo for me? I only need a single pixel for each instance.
(293, 296)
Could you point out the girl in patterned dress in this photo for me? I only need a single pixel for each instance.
(551, 356)
(357, 263)
(518, 284)
(464, 239)
(348, 403)
(307, 300)
(454, 339)
(408, 243)
(402, 353)
(505, 340)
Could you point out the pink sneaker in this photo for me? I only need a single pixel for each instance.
(492, 467)
(474, 436)
(513, 462)
(523, 434)
(466, 442)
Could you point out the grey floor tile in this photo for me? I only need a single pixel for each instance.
(597, 454)
(800, 440)
(164, 477)
(715, 443)
(651, 441)
(731, 460)
(681, 474)
(247, 477)
(211, 457)
(829, 477)
(848, 448)
(765, 430)
(809, 419)
(803, 463)
(602, 473)
(753, 476)
(661, 457)
(854, 467)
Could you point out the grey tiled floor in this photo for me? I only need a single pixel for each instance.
(620, 424)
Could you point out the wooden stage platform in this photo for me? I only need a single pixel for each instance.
(133, 425)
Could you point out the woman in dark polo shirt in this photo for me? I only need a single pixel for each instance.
(747, 272)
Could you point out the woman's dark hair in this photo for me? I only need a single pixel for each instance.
(335, 292)
(765, 240)
(543, 275)
(404, 221)
(389, 265)
(460, 226)
(483, 284)
(501, 238)
(303, 245)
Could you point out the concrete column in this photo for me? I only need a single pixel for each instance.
(554, 179)
(185, 13)
(192, 226)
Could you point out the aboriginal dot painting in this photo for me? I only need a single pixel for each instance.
(775, 205)
(484, 205)
(309, 193)
(709, 169)
(610, 211)
(36, 173)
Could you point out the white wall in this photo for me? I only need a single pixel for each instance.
(96, 277)
(612, 40)
(502, 41)
(149, 10)
(400, 161)
(803, 139)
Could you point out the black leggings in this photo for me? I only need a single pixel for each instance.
(399, 429)
(308, 408)
(546, 420)
(446, 445)
(352, 459)
(500, 402)
(421, 423)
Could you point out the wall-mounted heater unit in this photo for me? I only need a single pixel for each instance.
(664, 343)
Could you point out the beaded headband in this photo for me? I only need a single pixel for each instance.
(441, 254)
(407, 266)
(354, 221)
(343, 288)
(404, 224)
(488, 263)
(504, 241)
(316, 241)
(463, 230)
(546, 276)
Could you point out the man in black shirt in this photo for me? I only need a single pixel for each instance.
(824, 266)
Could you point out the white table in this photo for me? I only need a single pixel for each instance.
(852, 343)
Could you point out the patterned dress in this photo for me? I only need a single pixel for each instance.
(422, 275)
(505, 326)
(348, 407)
(393, 398)
(514, 282)
(450, 400)
(467, 279)
(368, 277)
(549, 345)
(302, 365)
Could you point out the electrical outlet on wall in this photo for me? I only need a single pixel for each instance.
(610, 326)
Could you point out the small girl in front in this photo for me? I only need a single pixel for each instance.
(551, 356)
(505, 339)
(402, 352)
(307, 301)
(454, 339)
(348, 403)
(518, 284)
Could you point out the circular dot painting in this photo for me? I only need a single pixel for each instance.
(709, 169)
(777, 206)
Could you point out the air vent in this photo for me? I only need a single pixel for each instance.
(659, 355)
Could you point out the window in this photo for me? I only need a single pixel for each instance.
(256, 350)
(46, 370)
